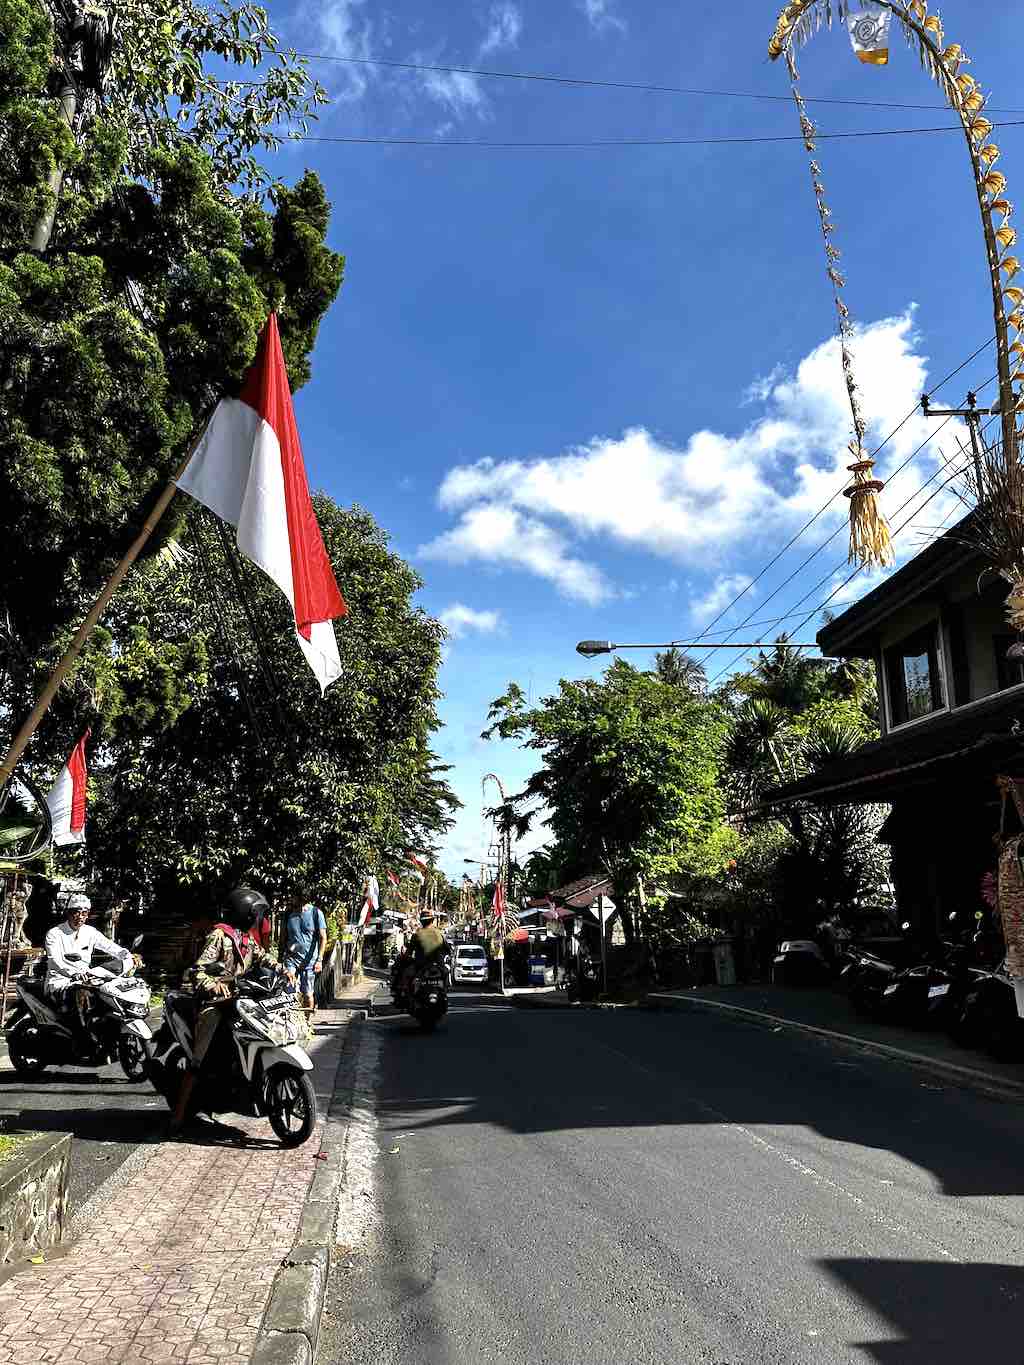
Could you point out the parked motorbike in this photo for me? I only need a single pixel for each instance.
(255, 1065)
(866, 977)
(40, 1034)
(988, 1017)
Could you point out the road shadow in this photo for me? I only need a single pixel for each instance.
(597, 1069)
(943, 1312)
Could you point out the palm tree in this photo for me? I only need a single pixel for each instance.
(681, 670)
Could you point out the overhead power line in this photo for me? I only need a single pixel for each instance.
(592, 82)
(613, 142)
(838, 493)
(958, 473)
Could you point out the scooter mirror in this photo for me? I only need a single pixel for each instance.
(137, 941)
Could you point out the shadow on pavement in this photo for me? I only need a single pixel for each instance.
(130, 1126)
(630, 1070)
(915, 1297)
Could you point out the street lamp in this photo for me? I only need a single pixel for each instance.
(589, 648)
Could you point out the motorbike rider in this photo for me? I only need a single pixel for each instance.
(232, 946)
(69, 951)
(425, 948)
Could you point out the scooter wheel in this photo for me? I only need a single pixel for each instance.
(134, 1054)
(23, 1050)
(290, 1104)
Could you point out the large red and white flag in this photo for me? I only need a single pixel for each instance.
(66, 798)
(248, 468)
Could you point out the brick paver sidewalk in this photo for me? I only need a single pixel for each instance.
(179, 1269)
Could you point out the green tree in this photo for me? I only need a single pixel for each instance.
(629, 777)
(681, 669)
(144, 311)
(257, 778)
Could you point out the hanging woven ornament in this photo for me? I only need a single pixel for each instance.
(870, 540)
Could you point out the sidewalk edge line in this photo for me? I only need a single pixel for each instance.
(981, 1080)
(270, 1336)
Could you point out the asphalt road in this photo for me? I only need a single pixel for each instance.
(625, 1186)
(106, 1115)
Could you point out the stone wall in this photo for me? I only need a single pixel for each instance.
(34, 1197)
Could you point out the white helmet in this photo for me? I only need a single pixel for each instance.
(78, 902)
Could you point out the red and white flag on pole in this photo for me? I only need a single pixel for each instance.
(498, 903)
(66, 798)
(418, 864)
(248, 468)
(393, 879)
(371, 900)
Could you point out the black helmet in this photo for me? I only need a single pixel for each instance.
(426, 916)
(244, 907)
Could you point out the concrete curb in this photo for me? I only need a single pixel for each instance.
(290, 1329)
(970, 1077)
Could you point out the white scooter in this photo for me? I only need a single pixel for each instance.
(39, 1034)
(255, 1065)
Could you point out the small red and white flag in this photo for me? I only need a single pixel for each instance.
(248, 468)
(418, 864)
(66, 798)
(393, 879)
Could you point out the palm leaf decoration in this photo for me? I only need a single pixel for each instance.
(999, 521)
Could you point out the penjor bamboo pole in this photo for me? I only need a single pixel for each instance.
(32, 720)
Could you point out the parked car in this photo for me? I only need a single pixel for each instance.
(799, 962)
(469, 965)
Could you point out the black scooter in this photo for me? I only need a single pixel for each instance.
(988, 1017)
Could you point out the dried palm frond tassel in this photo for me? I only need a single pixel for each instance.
(870, 541)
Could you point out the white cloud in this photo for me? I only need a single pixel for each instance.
(504, 26)
(761, 388)
(718, 596)
(345, 32)
(702, 501)
(504, 537)
(457, 91)
(459, 620)
(602, 15)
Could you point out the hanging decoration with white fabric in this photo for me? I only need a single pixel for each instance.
(248, 469)
(869, 32)
(66, 799)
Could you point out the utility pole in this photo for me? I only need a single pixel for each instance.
(972, 415)
(85, 46)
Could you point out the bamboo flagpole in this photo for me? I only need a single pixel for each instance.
(61, 670)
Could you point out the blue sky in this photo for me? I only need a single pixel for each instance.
(592, 392)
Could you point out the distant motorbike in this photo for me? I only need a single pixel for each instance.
(426, 1000)
(39, 1034)
(255, 1065)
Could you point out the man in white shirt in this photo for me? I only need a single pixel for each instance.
(69, 950)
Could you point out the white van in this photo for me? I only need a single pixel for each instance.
(469, 965)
